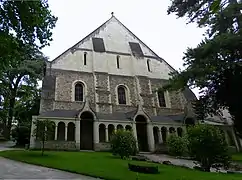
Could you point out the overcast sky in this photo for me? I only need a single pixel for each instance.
(168, 36)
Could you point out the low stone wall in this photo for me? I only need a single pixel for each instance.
(102, 146)
(57, 145)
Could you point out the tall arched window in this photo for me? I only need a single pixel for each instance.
(79, 92)
(161, 98)
(121, 95)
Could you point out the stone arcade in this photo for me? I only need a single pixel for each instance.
(108, 81)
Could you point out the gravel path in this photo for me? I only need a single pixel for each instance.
(17, 170)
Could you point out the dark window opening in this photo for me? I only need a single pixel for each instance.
(161, 98)
(118, 57)
(79, 92)
(44, 69)
(121, 95)
(148, 65)
(85, 58)
(136, 49)
(98, 45)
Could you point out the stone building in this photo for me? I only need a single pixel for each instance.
(109, 81)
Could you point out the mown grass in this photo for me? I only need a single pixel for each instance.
(237, 157)
(104, 165)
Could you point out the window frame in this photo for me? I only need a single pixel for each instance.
(125, 95)
(164, 98)
(82, 93)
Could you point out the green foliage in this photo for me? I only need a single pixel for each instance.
(25, 28)
(214, 66)
(21, 135)
(207, 144)
(43, 131)
(123, 143)
(30, 20)
(177, 145)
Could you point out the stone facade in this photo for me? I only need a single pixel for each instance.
(104, 94)
(58, 145)
(102, 147)
(100, 77)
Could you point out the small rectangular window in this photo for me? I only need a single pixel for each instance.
(85, 58)
(161, 99)
(118, 57)
(148, 65)
(136, 49)
(98, 45)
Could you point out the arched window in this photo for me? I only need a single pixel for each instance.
(161, 98)
(121, 95)
(79, 92)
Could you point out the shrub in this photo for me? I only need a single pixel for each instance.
(123, 143)
(21, 135)
(177, 146)
(207, 145)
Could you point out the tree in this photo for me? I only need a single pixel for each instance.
(214, 66)
(44, 129)
(21, 77)
(27, 105)
(207, 144)
(123, 143)
(28, 21)
(25, 28)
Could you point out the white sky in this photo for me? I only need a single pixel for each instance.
(166, 35)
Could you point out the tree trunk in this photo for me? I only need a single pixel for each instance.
(7, 129)
(43, 147)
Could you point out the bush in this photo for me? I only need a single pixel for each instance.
(21, 135)
(123, 143)
(177, 146)
(208, 146)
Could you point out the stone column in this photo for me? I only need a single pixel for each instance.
(150, 134)
(106, 134)
(160, 136)
(56, 131)
(135, 134)
(66, 133)
(77, 133)
(95, 133)
(235, 140)
(226, 137)
(32, 135)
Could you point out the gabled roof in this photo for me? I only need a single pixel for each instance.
(99, 28)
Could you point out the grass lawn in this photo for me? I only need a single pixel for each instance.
(106, 166)
(237, 157)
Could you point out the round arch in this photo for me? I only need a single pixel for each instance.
(102, 132)
(71, 131)
(84, 89)
(61, 131)
(127, 93)
(156, 134)
(142, 135)
(86, 130)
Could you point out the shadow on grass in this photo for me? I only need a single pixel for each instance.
(113, 157)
